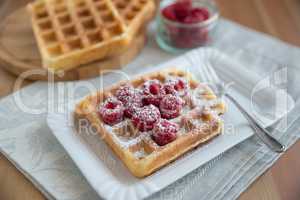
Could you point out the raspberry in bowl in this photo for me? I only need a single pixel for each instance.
(185, 24)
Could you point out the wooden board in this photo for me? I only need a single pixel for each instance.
(19, 52)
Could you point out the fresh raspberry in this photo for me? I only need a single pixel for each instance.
(146, 117)
(205, 13)
(200, 37)
(182, 9)
(169, 13)
(170, 106)
(177, 11)
(180, 84)
(193, 18)
(176, 86)
(169, 88)
(130, 110)
(164, 132)
(131, 98)
(125, 93)
(134, 103)
(197, 15)
(111, 111)
(153, 92)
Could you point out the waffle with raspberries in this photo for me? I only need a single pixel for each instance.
(153, 119)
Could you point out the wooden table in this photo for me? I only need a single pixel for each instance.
(279, 18)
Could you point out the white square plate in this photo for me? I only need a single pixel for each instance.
(111, 179)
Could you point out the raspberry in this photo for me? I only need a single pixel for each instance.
(200, 36)
(193, 19)
(125, 93)
(154, 88)
(131, 98)
(169, 88)
(135, 102)
(170, 106)
(168, 12)
(197, 15)
(177, 11)
(205, 13)
(146, 117)
(153, 92)
(111, 111)
(182, 9)
(176, 86)
(164, 132)
(131, 110)
(180, 85)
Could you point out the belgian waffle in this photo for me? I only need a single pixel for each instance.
(135, 13)
(140, 153)
(74, 32)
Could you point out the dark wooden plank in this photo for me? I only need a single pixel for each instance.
(293, 7)
(278, 18)
(13, 185)
(286, 174)
(243, 12)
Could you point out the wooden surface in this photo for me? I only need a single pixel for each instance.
(19, 52)
(280, 18)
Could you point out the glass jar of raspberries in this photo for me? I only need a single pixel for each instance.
(186, 24)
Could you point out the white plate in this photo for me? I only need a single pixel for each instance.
(111, 179)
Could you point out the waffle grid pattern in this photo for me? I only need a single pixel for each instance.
(65, 27)
(129, 9)
(75, 32)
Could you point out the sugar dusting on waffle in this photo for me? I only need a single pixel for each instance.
(197, 103)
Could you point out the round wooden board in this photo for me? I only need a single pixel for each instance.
(19, 53)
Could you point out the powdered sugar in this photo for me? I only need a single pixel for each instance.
(125, 141)
(141, 153)
(195, 101)
(176, 86)
(125, 92)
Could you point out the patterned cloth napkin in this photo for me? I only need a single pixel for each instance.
(28, 143)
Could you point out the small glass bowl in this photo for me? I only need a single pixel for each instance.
(178, 37)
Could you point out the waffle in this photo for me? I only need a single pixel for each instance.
(135, 13)
(74, 32)
(138, 151)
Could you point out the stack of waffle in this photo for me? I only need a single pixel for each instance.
(70, 33)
